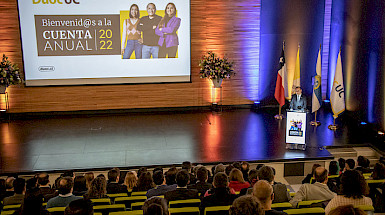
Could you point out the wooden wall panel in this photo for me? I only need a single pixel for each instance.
(212, 28)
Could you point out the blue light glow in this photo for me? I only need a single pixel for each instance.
(372, 85)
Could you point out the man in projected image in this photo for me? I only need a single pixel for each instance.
(148, 25)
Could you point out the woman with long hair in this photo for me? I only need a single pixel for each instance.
(130, 181)
(97, 189)
(131, 34)
(145, 182)
(237, 181)
(89, 176)
(166, 30)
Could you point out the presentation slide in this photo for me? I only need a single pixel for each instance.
(79, 42)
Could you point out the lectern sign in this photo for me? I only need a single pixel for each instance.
(295, 127)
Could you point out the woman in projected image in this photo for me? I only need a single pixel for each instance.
(132, 35)
(166, 29)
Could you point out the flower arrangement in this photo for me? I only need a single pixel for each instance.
(9, 73)
(214, 67)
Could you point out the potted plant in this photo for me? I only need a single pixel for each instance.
(9, 74)
(215, 68)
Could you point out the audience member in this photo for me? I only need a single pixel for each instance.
(89, 176)
(155, 206)
(280, 190)
(347, 210)
(142, 170)
(80, 186)
(363, 164)
(43, 182)
(9, 191)
(237, 165)
(263, 191)
(32, 204)
(317, 191)
(219, 168)
(65, 188)
(113, 186)
(353, 191)
(69, 173)
(171, 176)
(220, 195)
(236, 180)
(245, 170)
(156, 169)
(145, 182)
(246, 205)
(259, 166)
(350, 164)
(31, 183)
(97, 189)
(253, 178)
(310, 175)
(201, 184)
(186, 165)
(334, 169)
(341, 163)
(55, 186)
(378, 171)
(228, 169)
(19, 189)
(181, 192)
(79, 207)
(130, 181)
(161, 186)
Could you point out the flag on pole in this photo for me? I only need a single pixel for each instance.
(317, 93)
(297, 74)
(279, 85)
(337, 95)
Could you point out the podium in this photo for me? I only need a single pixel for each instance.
(296, 129)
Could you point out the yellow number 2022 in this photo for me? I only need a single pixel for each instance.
(107, 43)
(105, 33)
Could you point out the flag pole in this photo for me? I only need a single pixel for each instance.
(279, 115)
(334, 126)
(315, 122)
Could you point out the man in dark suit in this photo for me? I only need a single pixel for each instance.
(113, 186)
(181, 192)
(298, 101)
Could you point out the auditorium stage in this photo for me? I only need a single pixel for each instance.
(130, 139)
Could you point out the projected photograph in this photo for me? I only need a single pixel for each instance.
(98, 43)
(145, 34)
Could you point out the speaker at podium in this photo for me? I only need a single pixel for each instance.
(296, 129)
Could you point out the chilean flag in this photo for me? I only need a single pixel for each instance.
(279, 85)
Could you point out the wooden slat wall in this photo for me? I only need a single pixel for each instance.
(212, 28)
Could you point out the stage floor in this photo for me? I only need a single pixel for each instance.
(159, 138)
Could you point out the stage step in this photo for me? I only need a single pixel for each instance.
(365, 151)
(343, 152)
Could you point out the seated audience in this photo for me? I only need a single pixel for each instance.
(347, 210)
(65, 188)
(181, 192)
(334, 169)
(171, 176)
(155, 206)
(145, 182)
(350, 164)
(246, 205)
(317, 191)
(236, 180)
(31, 184)
(97, 189)
(43, 182)
(130, 181)
(186, 165)
(89, 176)
(113, 186)
(280, 190)
(253, 178)
(220, 195)
(228, 169)
(363, 164)
(219, 168)
(341, 163)
(353, 191)
(161, 186)
(18, 197)
(201, 184)
(263, 191)
(310, 175)
(80, 186)
(378, 171)
(9, 191)
(141, 170)
(32, 204)
(79, 207)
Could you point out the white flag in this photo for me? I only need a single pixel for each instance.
(337, 95)
(317, 93)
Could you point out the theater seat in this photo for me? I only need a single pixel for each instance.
(56, 210)
(184, 211)
(139, 193)
(313, 211)
(281, 206)
(185, 203)
(129, 200)
(217, 210)
(307, 204)
(11, 207)
(106, 209)
(103, 201)
(7, 212)
(137, 212)
(137, 206)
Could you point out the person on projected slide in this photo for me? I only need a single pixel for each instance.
(132, 35)
(147, 25)
(298, 101)
(166, 29)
